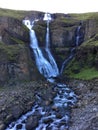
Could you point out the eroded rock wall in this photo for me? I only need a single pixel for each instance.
(16, 63)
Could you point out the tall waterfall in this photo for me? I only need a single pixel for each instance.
(78, 36)
(55, 116)
(47, 48)
(46, 66)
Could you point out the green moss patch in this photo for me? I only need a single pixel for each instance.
(11, 52)
(84, 65)
(91, 42)
(85, 74)
(85, 16)
(17, 41)
(13, 13)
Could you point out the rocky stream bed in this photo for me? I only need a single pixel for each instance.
(17, 99)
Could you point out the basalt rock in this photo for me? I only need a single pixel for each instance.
(16, 63)
(13, 31)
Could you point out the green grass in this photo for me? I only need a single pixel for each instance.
(18, 41)
(91, 41)
(13, 13)
(85, 74)
(85, 16)
(11, 51)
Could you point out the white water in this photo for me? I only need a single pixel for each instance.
(46, 67)
(78, 35)
(64, 99)
(50, 57)
(66, 61)
(42, 63)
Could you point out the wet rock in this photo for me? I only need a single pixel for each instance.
(47, 103)
(32, 122)
(55, 108)
(2, 125)
(19, 126)
(47, 120)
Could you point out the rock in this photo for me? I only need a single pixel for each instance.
(55, 108)
(2, 126)
(47, 103)
(9, 119)
(19, 126)
(47, 120)
(16, 111)
(32, 122)
(93, 124)
(12, 29)
(87, 106)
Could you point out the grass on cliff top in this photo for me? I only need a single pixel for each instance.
(85, 74)
(13, 13)
(84, 16)
(79, 70)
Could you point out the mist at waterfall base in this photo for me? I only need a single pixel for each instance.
(65, 97)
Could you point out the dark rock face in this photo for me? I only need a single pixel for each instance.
(32, 122)
(12, 29)
(91, 28)
(16, 64)
(15, 58)
(62, 35)
(87, 56)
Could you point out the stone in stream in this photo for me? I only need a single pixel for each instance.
(19, 126)
(2, 126)
(32, 122)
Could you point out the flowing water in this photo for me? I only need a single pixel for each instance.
(78, 35)
(50, 118)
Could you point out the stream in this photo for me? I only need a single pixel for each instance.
(56, 115)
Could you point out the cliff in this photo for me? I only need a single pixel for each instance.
(16, 62)
(85, 63)
(17, 65)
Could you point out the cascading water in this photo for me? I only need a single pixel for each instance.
(78, 35)
(66, 61)
(47, 67)
(48, 118)
(42, 63)
(47, 48)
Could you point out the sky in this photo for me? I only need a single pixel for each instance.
(52, 6)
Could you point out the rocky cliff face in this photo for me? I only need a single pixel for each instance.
(63, 33)
(15, 59)
(15, 56)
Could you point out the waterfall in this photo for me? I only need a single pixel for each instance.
(49, 118)
(66, 61)
(47, 48)
(46, 66)
(78, 36)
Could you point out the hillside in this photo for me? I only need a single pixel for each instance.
(20, 80)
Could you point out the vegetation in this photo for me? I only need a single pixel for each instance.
(13, 13)
(10, 52)
(85, 74)
(79, 70)
(18, 41)
(85, 64)
(85, 16)
(91, 42)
